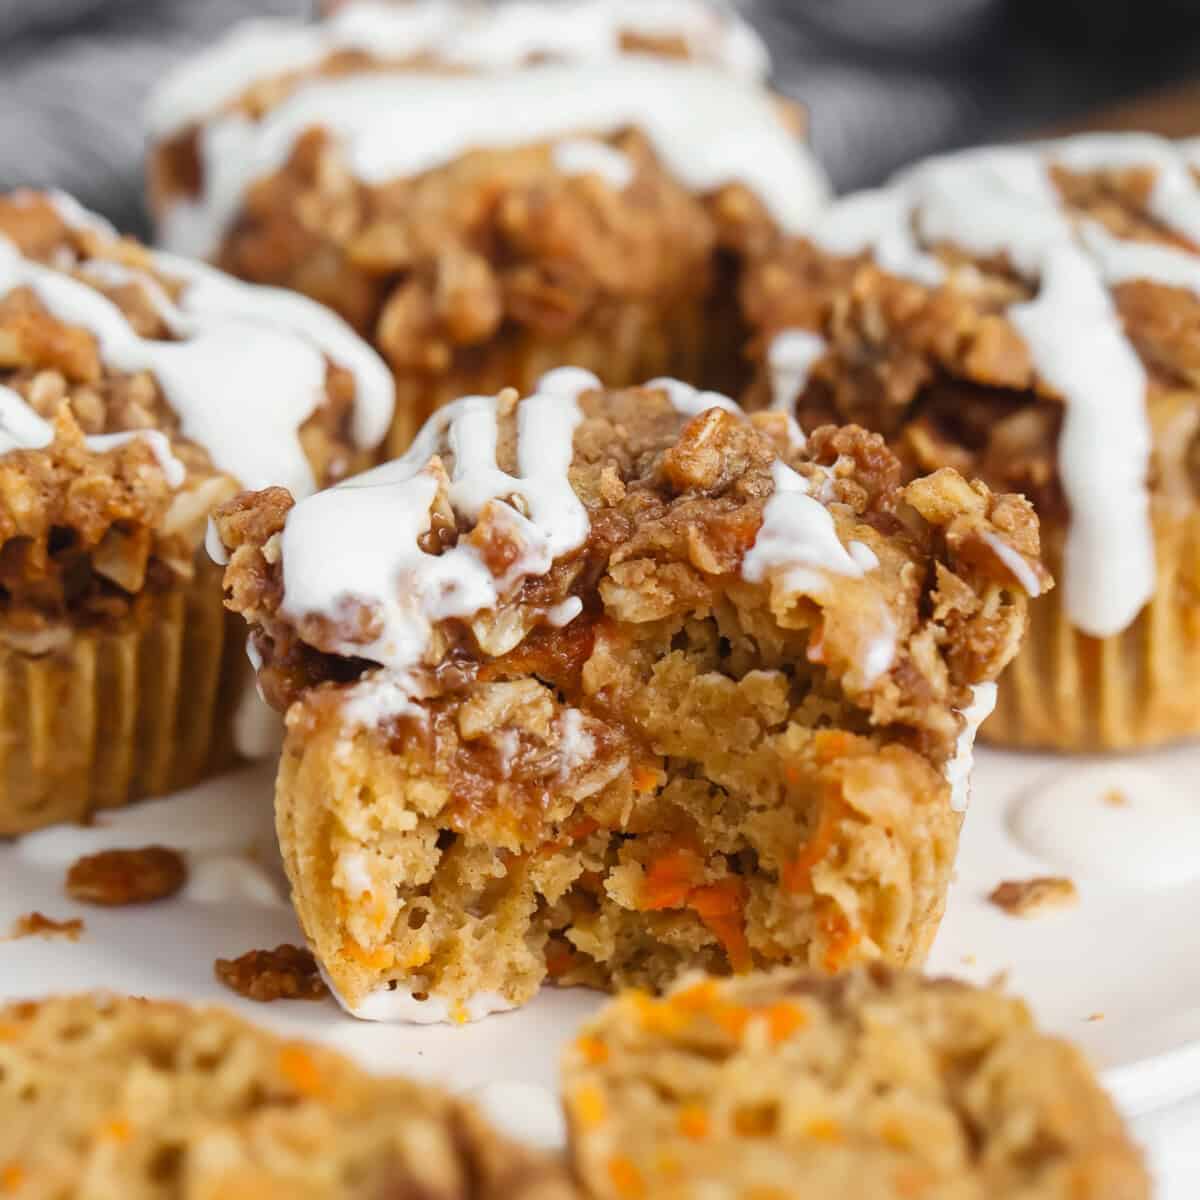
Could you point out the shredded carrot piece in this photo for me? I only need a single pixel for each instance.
(118, 1129)
(784, 1019)
(669, 880)
(697, 997)
(733, 1019)
(913, 1181)
(9, 1031)
(797, 875)
(378, 959)
(626, 1178)
(592, 1049)
(824, 1129)
(12, 1177)
(721, 906)
(832, 743)
(297, 1067)
(842, 939)
(645, 779)
(589, 1106)
(694, 1122)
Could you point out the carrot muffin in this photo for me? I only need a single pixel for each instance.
(106, 1098)
(875, 1085)
(1029, 315)
(490, 191)
(137, 391)
(603, 685)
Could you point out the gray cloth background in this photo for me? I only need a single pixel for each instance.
(885, 80)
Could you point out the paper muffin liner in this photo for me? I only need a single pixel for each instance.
(629, 345)
(1141, 688)
(114, 716)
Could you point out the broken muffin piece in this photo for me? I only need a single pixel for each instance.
(599, 686)
(877, 1085)
(112, 1098)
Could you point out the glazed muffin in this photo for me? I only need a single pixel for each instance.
(876, 1085)
(490, 191)
(1028, 315)
(597, 686)
(106, 1098)
(137, 392)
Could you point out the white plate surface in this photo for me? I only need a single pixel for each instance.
(1120, 973)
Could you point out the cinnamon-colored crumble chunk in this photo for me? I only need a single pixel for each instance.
(1035, 897)
(285, 973)
(592, 186)
(137, 392)
(1028, 315)
(597, 686)
(36, 924)
(114, 878)
(876, 1085)
(111, 1098)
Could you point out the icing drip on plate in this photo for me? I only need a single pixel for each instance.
(1003, 202)
(461, 32)
(709, 128)
(244, 371)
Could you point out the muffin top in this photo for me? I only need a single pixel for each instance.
(1024, 313)
(433, 170)
(514, 530)
(136, 392)
(873, 1083)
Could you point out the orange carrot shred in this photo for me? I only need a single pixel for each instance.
(721, 907)
(694, 1122)
(669, 880)
(626, 1178)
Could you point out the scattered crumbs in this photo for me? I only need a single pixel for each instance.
(999, 981)
(1115, 798)
(285, 973)
(1035, 897)
(1097, 1016)
(36, 924)
(114, 878)
(969, 960)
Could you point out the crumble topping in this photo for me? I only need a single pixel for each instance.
(132, 402)
(504, 511)
(285, 973)
(115, 878)
(1035, 897)
(1019, 314)
(36, 924)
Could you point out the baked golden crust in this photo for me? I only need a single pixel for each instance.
(695, 766)
(107, 1098)
(874, 1085)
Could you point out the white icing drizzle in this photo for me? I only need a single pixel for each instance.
(1003, 202)
(575, 744)
(790, 358)
(1021, 571)
(247, 367)
(958, 769)
(376, 519)
(709, 128)
(456, 31)
(690, 401)
(22, 429)
(586, 156)
(1122, 824)
(797, 537)
(399, 1003)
